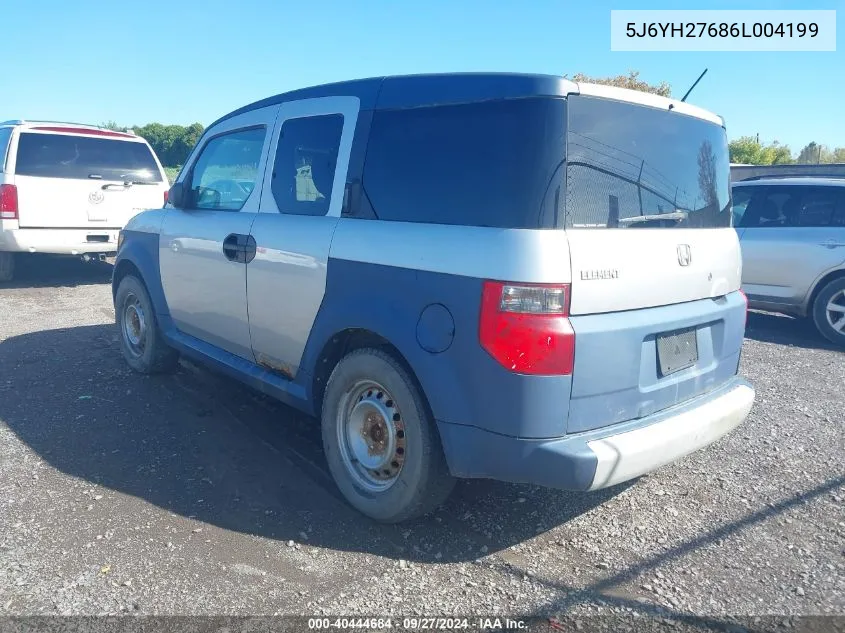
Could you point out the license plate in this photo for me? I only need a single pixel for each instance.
(677, 350)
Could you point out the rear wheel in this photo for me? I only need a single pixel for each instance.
(380, 442)
(141, 342)
(829, 311)
(7, 266)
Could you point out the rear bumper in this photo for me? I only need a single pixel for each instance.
(56, 241)
(598, 459)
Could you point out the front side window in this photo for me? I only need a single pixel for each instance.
(741, 197)
(225, 173)
(768, 207)
(85, 157)
(306, 159)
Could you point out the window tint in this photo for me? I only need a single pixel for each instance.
(225, 173)
(636, 166)
(66, 156)
(740, 198)
(818, 204)
(794, 206)
(306, 158)
(5, 135)
(767, 209)
(495, 163)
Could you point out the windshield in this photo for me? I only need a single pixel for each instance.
(66, 156)
(632, 166)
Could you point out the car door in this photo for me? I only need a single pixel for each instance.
(789, 239)
(300, 205)
(205, 246)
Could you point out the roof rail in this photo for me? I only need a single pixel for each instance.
(41, 121)
(805, 175)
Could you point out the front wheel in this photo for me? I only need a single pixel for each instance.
(141, 341)
(829, 311)
(381, 445)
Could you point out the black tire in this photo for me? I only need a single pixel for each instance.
(835, 331)
(7, 266)
(151, 355)
(423, 482)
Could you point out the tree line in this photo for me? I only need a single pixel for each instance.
(173, 143)
(746, 149)
(750, 151)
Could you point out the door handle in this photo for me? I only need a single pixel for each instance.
(234, 247)
(250, 249)
(239, 248)
(831, 244)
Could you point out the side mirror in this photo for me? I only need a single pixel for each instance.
(176, 195)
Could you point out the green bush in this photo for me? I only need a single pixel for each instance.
(172, 172)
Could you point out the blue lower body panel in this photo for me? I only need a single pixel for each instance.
(287, 391)
(474, 453)
(616, 376)
(570, 463)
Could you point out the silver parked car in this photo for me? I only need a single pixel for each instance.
(792, 233)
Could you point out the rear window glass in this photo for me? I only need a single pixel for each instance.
(495, 163)
(5, 135)
(636, 166)
(66, 156)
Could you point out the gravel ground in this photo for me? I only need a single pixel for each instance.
(189, 494)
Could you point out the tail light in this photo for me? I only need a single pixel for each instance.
(8, 202)
(166, 195)
(526, 327)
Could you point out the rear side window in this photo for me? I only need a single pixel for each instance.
(67, 156)
(5, 136)
(818, 206)
(782, 206)
(224, 175)
(634, 166)
(496, 163)
(304, 169)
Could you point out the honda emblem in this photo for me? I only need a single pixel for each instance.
(684, 254)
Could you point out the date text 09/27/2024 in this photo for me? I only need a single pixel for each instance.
(418, 624)
(721, 29)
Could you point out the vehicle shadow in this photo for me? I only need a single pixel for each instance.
(205, 447)
(605, 590)
(769, 327)
(37, 270)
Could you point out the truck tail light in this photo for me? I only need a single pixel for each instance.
(526, 327)
(8, 202)
(166, 196)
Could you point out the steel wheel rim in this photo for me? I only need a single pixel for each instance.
(835, 311)
(134, 324)
(371, 436)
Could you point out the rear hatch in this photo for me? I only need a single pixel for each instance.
(80, 178)
(655, 264)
